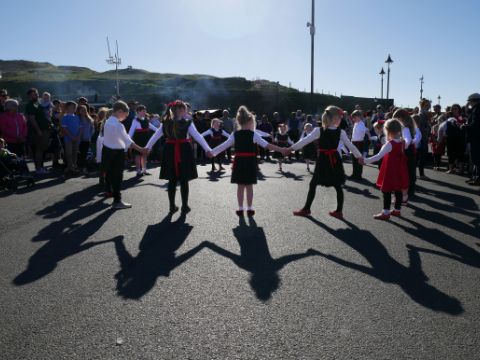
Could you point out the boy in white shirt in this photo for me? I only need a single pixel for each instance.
(358, 139)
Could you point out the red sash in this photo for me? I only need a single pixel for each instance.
(177, 158)
(331, 155)
(242, 154)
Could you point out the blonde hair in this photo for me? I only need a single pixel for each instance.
(244, 116)
(329, 115)
(393, 126)
(215, 120)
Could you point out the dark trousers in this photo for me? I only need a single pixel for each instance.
(421, 155)
(83, 153)
(357, 168)
(112, 164)
(387, 200)
(437, 160)
(313, 189)
(412, 169)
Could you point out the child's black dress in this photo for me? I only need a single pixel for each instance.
(245, 162)
(329, 166)
(178, 162)
(142, 134)
(281, 141)
(309, 151)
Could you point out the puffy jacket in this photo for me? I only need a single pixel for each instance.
(13, 127)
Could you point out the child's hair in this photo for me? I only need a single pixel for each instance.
(393, 126)
(70, 104)
(109, 113)
(215, 120)
(330, 113)
(140, 108)
(120, 106)
(283, 125)
(244, 116)
(307, 126)
(2, 141)
(87, 115)
(357, 113)
(171, 107)
(405, 119)
(46, 94)
(102, 112)
(378, 125)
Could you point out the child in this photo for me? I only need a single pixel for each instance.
(141, 131)
(379, 138)
(309, 151)
(408, 134)
(329, 166)
(85, 140)
(115, 142)
(282, 140)
(244, 171)
(216, 135)
(72, 132)
(358, 139)
(393, 176)
(438, 146)
(178, 163)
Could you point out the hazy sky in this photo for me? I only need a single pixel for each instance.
(263, 38)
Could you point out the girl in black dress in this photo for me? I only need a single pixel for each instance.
(244, 171)
(178, 163)
(216, 136)
(329, 170)
(282, 140)
(309, 152)
(141, 131)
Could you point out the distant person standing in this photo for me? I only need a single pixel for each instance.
(229, 127)
(39, 130)
(472, 129)
(425, 130)
(294, 124)
(380, 115)
(13, 128)
(3, 98)
(72, 133)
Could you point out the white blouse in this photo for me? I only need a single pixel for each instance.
(209, 132)
(136, 125)
(192, 131)
(115, 136)
(315, 134)
(257, 139)
(383, 151)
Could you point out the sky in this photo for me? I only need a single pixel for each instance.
(265, 39)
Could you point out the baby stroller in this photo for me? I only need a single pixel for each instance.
(14, 174)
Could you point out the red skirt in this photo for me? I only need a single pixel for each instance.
(393, 175)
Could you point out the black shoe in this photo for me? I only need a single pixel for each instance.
(173, 209)
(474, 183)
(186, 209)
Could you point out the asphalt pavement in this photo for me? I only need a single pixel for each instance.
(80, 281)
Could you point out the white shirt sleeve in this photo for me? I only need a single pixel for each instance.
(224, 146)
(407, 137)
(226, 134)
(207, 133)
(314, 135)
(133, 128)
(123, 134)
(158, 134)
(383, 151)
(98, 156)
(262, 133)
(257, 139)
(290, 142)
(192, 130)
(353, 149)
(152, 127)
(418, 137)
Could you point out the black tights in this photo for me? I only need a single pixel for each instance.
(387, 200)
(313, 189)
(172, 189)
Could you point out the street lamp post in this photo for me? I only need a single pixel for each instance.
(311, 25)
(388, 62)
(421, 87)
(382, 73)
(439, 97)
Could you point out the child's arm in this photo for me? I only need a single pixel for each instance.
(383, 151)
(226, 134)
(290, 142)
(207, 133)
(224, 146)
(158, 134)
(418, 137)
(257, 139)
(262, 133)
(192, 130)
(98, 156)
(152, 127)
(346, 141)
(407, 137)
(133, 128)
(314, 135)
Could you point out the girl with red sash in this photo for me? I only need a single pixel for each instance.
(244, 171)
(393, 176)
(329, 170)
(282, 139)
(178, 163)
(216, 137)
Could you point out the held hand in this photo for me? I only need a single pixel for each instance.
(209, 154)
(361, 161)
(144, 151)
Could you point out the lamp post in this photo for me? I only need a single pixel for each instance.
(388, 62)
(421, 87)
(439, 97)
(311, 25)
(382, 73)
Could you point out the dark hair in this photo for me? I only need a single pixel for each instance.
(71, 103)
(56, 102)
(120, 106)
(31, 91)
(140, 108)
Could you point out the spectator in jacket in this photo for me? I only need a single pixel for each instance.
(13, 128)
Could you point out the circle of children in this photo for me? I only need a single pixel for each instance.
(85, 138)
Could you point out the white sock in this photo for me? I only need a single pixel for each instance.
(386, 212)
(240, 208)
(250, 208)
